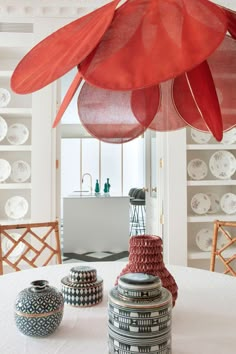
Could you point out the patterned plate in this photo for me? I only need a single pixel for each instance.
(5, 97)
(197, 169)
(229, 137)
(5, 170)
(17, 134)
(222, 164)
(7, 245)
(16, 207)
(3, 128)
(20, 171)
(215, 203)
(204, 240)
(200, 137)
(228, 203)
(200, 203)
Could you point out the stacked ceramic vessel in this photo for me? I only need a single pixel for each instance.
(82, 287)
(139, 316)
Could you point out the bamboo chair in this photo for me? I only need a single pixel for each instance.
(229, 248)
(29, 246)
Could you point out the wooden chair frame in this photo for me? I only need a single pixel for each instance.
(52, 229)
(219, 226)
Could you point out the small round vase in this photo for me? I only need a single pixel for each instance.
(145, 256)
(139, 310)
(39, 309)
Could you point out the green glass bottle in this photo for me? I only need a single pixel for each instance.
(105, 190)
(108, 185)
(97, 187)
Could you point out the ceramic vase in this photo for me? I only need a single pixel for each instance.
(39, 309)
(139, 311)
(145, 256)
(82, 287)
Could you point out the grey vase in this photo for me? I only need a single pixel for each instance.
(38, 310)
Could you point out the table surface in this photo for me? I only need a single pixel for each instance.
(203, 318)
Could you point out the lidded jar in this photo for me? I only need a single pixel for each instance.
(39, 309)
(139, 311)
(82, 287)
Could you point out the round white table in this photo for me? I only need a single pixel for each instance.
(203, 318)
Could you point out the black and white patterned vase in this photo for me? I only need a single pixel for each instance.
(82, 287)
(39, 309)
(139, 310)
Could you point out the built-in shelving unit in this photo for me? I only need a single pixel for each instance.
(209, 184)
(15, 41)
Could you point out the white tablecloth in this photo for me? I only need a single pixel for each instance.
(204, 316)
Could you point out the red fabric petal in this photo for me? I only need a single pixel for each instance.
(222, 64)
(152, 41)
(107, 115)
(204, 94)
(145, 104)
(68, 97)
(62, 50)
(154, 104)
(231, 16)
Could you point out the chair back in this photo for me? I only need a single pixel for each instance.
(30, 245)
(224, 247)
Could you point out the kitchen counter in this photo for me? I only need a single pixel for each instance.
(95, 223)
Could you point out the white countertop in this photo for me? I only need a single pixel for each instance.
(89, 195)
(203, 318)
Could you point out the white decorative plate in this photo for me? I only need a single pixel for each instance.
(197, 169)
(7, 245)
(5, 170)
(222, 164)
(17, 134)
(228, 203)
(200, 203)
(204, 240)
(20, 171)
(16, 207)
(215, 203)
(5, 97)
(229, 137)
(3, 128)
(200, 137)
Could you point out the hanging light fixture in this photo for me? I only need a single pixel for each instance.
(143, 64)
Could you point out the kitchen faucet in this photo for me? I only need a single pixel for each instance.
(91, 182)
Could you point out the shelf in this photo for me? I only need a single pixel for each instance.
(15, 148)
(13, 221)
(211, 147)
(16, 40)
(211, 218)
(16, 112)
(15, 185)
(6, 73)
(221, 182)
(207, 255)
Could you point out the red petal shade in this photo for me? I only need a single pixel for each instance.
(152, 41)
(62, 50)
(107, 115)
